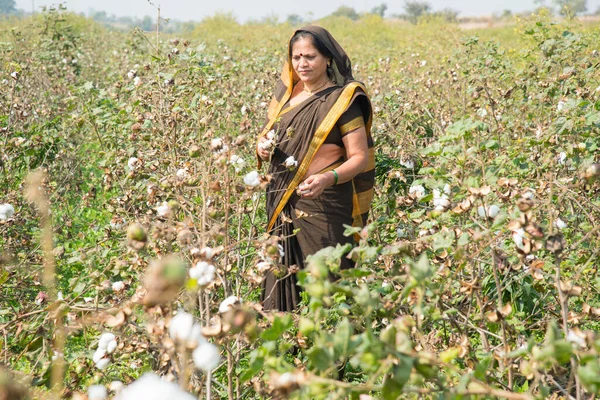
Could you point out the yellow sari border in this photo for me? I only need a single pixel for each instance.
(321, 133)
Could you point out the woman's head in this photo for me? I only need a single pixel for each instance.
(310, 57)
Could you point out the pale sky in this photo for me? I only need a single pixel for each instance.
(244, 10)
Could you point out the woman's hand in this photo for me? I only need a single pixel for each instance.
(314, 185)
(264, 152)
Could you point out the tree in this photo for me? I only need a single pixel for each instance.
(380, 9)
(345, 11)
(415, 9)
(571, 7)
(448, 14)
(294, 19)
(7, 7)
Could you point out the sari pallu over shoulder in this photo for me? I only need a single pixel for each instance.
(320, 119)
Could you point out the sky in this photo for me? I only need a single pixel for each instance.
(244, 10)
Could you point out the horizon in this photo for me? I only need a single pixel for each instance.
(184, 10)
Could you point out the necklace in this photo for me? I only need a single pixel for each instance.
(311, 91)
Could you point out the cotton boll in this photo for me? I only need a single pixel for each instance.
(151, 387)
(98, 355)
(206, 356)
(118, 286)
(481, 211)
(228, 303)
(181, 326)
(560, 224)
(97, 392)
(252, 179)
(6, 211)
(203, 273)
(105, 339)
(493, 211)
(116, 386)
(102, 363)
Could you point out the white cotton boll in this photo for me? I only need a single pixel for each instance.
(98, 355)
(116, 386)
(151, 387)
(131, 74)
(408, 164)
(262, 104)
(447, 189)
(481, 211)
(180, 328)
(206, 356)
(575, 338)
(518, 237)
(6, 211)
(137, 81)
(97, 392)
(401, 233)
(133, 163)
(102, 363)
(203, 273)
(482, 112)
(529, 195)
(560, 224)
(163, 210)
(263, 266)
(290, 163)
(244, 110)
(493, 211)
(228, 303)
(111, 346)
(105, 338)
(207, 252)
(118, 286)
(560, 106)
(182, 173)
(417, 190)
(252, 179)
(562, 157)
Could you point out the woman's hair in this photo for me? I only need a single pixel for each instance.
(316, 41)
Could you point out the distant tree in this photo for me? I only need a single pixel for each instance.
(380, 9)
(448, 14)
(99, 16)
(345, 11)
(506, 14)
(571, 7)
(147, 23)
(294, 19)
(7, 7)
(415, 9)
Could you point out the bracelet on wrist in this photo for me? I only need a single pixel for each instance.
(335, 177)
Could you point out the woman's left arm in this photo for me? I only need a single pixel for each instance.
(357, 158)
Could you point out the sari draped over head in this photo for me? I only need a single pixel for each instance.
(306, 226)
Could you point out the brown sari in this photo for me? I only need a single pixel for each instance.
(300, 131)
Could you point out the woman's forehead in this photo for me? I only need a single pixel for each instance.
(304, 45)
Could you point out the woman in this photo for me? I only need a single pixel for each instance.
(317, 139)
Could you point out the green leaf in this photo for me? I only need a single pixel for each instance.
(395, 381)
(320, 358)
(279, 326)
(341, 339)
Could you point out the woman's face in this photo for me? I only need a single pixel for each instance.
(309, 64)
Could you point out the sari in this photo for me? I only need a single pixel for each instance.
(305, 226)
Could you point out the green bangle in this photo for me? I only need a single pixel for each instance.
(335, 177)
